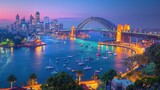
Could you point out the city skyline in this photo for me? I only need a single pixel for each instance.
(144, 13)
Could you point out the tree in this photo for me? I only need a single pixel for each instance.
(32, 79)
(79, 74)
(139, 59)
(153, 53)
(131, 87)
(139, 84)
(61, 81)
(11, 79)
(108, 76)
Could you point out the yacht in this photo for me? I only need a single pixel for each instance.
(77, 61)
(64, 65)
(97, 71)
(81, 62)
(50, 66)
(70, 56)
(87, 68)
(97, 54)
(55, 71)
(109, 52)
(74, 70)
(101, 69)
(105, 57)
(68, 68)
(56, 62)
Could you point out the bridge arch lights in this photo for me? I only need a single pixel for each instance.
(106, 23)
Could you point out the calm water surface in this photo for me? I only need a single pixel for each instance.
(23, 61)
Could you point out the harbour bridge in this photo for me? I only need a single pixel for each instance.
(112, 28)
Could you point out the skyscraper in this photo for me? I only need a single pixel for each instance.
(46, 23)
(37, 17)
(31, 19)
(17, 18)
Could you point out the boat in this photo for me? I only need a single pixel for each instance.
(74, 70)
(55, 71)
(81, 45)
(77, 61)
(97, 71)
(109, 52)
(64, 65)
(87, 68)
(56, 62)
(115, 54)
(68, 68)
(105, 57)
(70, 56)
(81, 62)
(50, 66)
(97, 54)
(101, 69)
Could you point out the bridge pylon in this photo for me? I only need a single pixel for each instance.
(119, 33)
(72, 34)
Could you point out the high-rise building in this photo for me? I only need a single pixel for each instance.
(46, 23)
(17, 18)
(60, 27)
(37, 17)
(23, 23)
(31, 19)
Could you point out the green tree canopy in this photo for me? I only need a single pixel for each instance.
(61, 81)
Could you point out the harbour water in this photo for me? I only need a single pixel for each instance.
(23, 61)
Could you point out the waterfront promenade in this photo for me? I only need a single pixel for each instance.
(135, 47)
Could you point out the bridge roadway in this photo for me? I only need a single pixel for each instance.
(136, 34)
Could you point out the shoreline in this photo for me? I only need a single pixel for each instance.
(24, 46)
(136, 50)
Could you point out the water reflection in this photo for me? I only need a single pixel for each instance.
(5, 58)
(119, 56)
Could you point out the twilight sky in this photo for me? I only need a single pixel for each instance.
(138, 13)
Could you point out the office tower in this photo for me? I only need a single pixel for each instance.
(17, 18)
(31, 19)
(23, 23)
(37, 17)
(46, 23)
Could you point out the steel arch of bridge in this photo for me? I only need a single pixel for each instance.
(107, 24)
